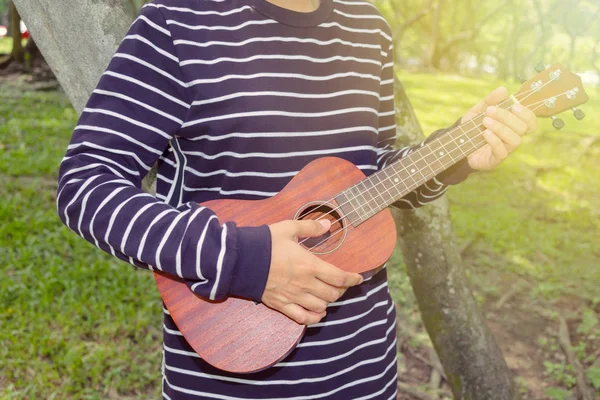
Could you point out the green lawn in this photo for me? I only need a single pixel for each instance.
(77, 324)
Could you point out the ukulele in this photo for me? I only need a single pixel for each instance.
(241, 336)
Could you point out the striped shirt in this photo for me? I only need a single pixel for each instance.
(233, 98)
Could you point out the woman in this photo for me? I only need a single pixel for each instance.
(233, 98)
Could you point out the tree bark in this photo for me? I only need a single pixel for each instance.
(471, 358)
(78, 40)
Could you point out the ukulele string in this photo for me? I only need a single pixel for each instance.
(339, 219)
(342, 216)
(526, 94)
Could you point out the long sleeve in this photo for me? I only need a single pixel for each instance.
(139, 104)
(387, 154)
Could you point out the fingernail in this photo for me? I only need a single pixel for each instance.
(361, 280)
(488, 121)
(491, 110)
(517, 108)
(325, 223)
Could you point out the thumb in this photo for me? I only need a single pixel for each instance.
(311, 228)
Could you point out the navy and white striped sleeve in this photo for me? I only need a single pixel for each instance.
(387, 154)
(139, 104)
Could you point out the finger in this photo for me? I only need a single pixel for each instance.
(313, 303)
(498, 148)
(527, 115)
(301, 315)
(326, 292)
(509, 119)
(334, 276)
(496, 96)
(309, 228)
(509, 137)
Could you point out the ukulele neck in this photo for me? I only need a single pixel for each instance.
(388, 185)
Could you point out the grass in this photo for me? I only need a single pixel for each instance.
(78, 324)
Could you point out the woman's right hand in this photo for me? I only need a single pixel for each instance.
(300, 285)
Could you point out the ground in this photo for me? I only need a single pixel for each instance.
(78, 324)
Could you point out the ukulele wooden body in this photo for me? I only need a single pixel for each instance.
(240, 336)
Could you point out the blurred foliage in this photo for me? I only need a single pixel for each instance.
(504, 37)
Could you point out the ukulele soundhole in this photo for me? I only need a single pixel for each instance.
(330, 240)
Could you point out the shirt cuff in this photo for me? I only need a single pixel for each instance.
(253, 261)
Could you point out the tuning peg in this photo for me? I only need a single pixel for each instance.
(540, 67)
(558, 123)
(578, 114)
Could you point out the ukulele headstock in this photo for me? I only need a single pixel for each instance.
(553, 91)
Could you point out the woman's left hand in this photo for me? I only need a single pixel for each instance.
(503, 132)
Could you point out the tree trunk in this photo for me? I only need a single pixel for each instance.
(78, 40)
(17, 54)
(469, 354)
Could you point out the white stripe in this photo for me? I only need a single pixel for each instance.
(150, 66)
(106, 160)
(178, 166)
(122, 135)
(434, 197)
(283, 75)
(280, 155)
(166, 237)
(222, 378)
(252, 135)
(104, 202)
(221, 27)
(393, 381)
(199, 249)
(279, 57)
(154, 221)
(213, 292)
(171, 331)
(130, 225)
(440, 187)
(343, 338)
(147, 86)
(387, 82)
(265, 113)
(307, 397)
(155, 47)
(196, 12)
(349, 319)
(154, 25)
(178, 256)
(230, 192)
(276, 39)
(408, 202)
(357, 16)
(110, 150)
(135, 101)
(284, 94)
(86, 197)
(359, 298)
(92, 166)
(77, 194)
(113, 217)
(387, 128)
(355, 30)
(128, 119)
(316, 361)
